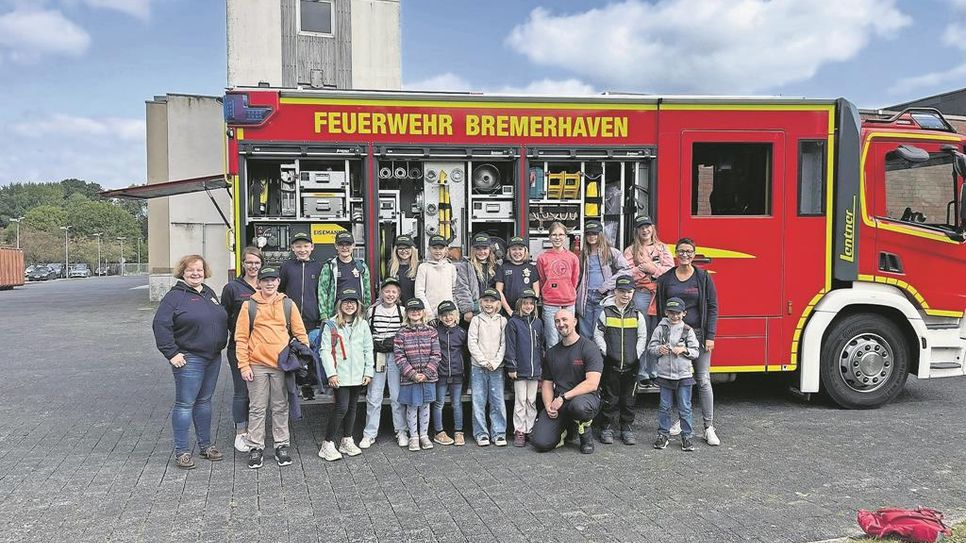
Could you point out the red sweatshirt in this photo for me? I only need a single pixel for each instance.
(559, 272)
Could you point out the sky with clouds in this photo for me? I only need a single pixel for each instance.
(74, 74)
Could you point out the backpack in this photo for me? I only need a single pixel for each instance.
(921, 524)
(287, 304)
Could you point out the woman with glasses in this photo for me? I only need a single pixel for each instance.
(696, 288)
(235, 293)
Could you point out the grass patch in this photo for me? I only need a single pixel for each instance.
(959, 536)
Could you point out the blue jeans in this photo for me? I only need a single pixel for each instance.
(588, 319)
(549, 330)
(194, 384)
(377, 388)
(642, 301)
(455, 393)
(239, 397)
(488, 388)
(684, 409)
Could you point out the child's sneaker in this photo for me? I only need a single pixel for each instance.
(519, 439)
(711, 436)
(281, 455)
(328, 452)
(443, 438)
(675, 428)
(255, 458)
(367, 442)
(414, 444)
(402, 439)
(687, 444)
(348, 447)
(425, 442)
(483, 441)
(459, 439)
(661, 442)
(500, 440)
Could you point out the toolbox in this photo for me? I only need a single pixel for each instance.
(322, 180)
(494, 209)
(321, 205)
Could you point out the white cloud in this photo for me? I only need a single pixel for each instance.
(702, 46)
(952, 77)
(454, 83)
(110, 151)
(136, 8)
(953, 36)
(26, 35)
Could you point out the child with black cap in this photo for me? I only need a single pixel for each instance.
(452, 344)
(299, 279)
(385, 319)
(436, 277)
(340, 272)
(524, 363)
(475, 274)
(516, 274)
(487, 345)
(416, 350)
(675, 345)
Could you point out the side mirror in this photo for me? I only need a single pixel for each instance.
(912, 154)
(959, 164)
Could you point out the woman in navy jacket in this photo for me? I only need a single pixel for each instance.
(191, 329)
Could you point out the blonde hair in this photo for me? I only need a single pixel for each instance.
(394, 263)
(422, 320)
(340, 319)
(478, 265)
(526, 253)
(557, 225)
(603, 250)
(518, 307)
(637, 248)
(188, 260)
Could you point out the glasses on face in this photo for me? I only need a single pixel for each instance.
(686, 252)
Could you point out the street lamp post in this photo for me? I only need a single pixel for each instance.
(97, 270)
(139, 254)
(121, 259)
(18, 221)
(66, 229)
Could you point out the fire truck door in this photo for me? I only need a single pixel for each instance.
(732, 207)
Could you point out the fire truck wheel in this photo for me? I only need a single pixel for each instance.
(864, 361)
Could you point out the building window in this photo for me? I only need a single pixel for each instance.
(811, 177)
(731, 179)
(315, 16)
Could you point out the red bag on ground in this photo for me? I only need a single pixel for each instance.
(921, 524)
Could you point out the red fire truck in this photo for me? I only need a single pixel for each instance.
(834, 242)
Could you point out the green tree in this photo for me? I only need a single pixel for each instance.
(44, 218)
(18, 198)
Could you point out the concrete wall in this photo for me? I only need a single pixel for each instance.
(254, 42)
(186, 139)
(376, 44)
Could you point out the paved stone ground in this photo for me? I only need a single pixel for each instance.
(86, 445)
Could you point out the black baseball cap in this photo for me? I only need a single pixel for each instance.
(438, 241)
(481, 240)
(344, 238)
(490, 293)
(415, 304)
(389, 281)
(593, 227)
(445, 307)
(267, 273)
(624, 283)
(403, 241)
(516, 241)
(674, 304)
(528, 293)
(300, 236)
(642, 220)
(347, 294)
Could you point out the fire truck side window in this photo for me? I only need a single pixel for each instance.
(811, 177)
(922, 192)
(315, 16)
(731, 179)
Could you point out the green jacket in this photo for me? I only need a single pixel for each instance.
(347, 351)
(327, 284)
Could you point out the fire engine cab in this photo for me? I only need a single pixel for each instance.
(835, 243)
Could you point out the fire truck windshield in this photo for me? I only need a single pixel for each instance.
(922, 193)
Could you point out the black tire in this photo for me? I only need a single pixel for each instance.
(865, 361)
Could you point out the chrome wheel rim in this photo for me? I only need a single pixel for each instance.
(866, 362)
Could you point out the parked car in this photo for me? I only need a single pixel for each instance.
(40, 273)
(103, 270)
(26, 272)
(81, 269)
(58, 269)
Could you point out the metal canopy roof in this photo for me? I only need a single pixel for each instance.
(169, 188)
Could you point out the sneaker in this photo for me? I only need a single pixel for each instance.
(282, 456)
(402, 439)
(459, 439)
(414, 444)
(184, 461)
(587, 442)
(607, 436)
(308, 392)
(687, 444)
(661, 442)
(628, 438)
(711, 436)
(425, 443)
(255, 458)
(329, 452)
(647, 386)
(519, 439)
(211, 453)
(483, 441)
(675, 428)
(348, 447)
(367, 442)
(500, 441)
(241, 443)
(443, 438)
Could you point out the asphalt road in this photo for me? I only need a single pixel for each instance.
(85, 440)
